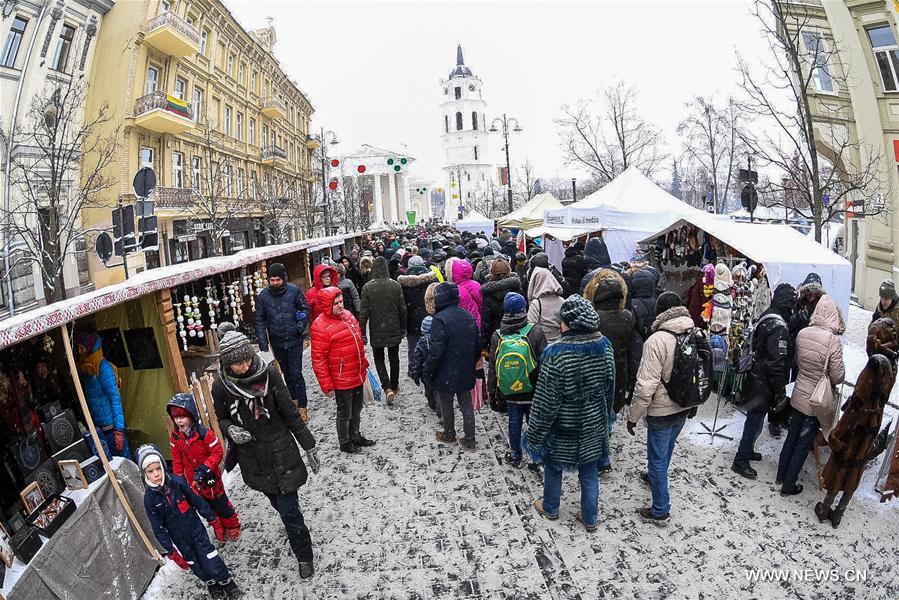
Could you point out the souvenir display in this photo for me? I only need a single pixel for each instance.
(29, 452)
(93, 469)
(26, 542)
(182, 330)
(78, 451)
(31, 497)
(47, 477)
(62, 431)
(51, 514)
(6, 553)
(47, 412)
(72, 474)
(212, 303)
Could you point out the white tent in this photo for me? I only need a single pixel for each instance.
(475, 222)
(626, 210)
(788, 255)
(530, 214)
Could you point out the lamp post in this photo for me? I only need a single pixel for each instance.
(509, 124)
(323, 139)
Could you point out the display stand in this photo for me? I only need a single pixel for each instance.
(715, 431)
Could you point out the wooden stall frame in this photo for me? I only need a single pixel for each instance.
(67, 344)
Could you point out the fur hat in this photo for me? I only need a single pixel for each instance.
(234, 347)
(578, 313)
(723, 279)
(888, 289)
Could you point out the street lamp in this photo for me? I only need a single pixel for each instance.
(509, 124)
(325, 138)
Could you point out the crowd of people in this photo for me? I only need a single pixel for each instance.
(563, 353)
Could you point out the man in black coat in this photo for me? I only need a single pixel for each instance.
(765, 384)
(281, 318)
(450, 367)
(257, 414)
(384, 312)
(573, 267)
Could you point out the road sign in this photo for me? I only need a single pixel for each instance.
(144, 207)
(749, 197)
(747, 176)
(123, 228)
(144, 182)
(103, 246)
(149, 238)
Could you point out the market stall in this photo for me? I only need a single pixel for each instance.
(475, 222)
(530, 214)
(626, 210)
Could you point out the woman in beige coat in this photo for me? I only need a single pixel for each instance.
(818, 346)
(545, 300)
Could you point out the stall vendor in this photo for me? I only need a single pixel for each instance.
(100, 380)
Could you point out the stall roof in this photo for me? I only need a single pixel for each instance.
(40, 320)
(474, 222)
(530, 214)
(566, 234)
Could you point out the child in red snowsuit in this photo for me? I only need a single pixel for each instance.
(196, 456)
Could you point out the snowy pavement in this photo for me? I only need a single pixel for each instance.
(411, 518)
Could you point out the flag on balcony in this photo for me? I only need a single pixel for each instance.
(178, 106)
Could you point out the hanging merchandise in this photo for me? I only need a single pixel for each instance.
(182, 330)
(212, 304)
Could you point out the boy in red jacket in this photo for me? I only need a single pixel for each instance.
(196, 456)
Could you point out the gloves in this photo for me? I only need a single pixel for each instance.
(176, 557)
(630, 427)
(239, 435)
(312, 459)
(118, 441)
(219, 529)
(302, 318)
(204, 477)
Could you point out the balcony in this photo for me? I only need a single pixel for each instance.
(163, 113)
(173, 198)
(172, 35)
(273, 155)
(312, 142)
(273, 108)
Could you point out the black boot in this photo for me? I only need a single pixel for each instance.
(350, 448)
(747, 471)
(823, 512)
(230, 588)
(307, 570)
(362, 441)
(774, 430)
(215, 590)
(836, 516)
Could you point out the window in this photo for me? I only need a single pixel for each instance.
(242, 72)
(177, 169)
(446, 122)
(458, 93)
(195, 173)
(474, 120)
(253, 131)
(458, 121)
(152, 79)
(240, 126)
(227, 120)
(264, 135)
(198, 104)
(253, 81)
(883, 42)
(63, 46)
(817, 57)
(204, 36)
(240, 180)
(230, 65)
(226, 171)
(476, 153)
(146, 157)
(254, 183)
(180, 88)
(13, 41)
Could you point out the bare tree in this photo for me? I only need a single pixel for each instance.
(712, 139)
(607, 135)
(58, 165)
(525, 187)
(278, 194)
(308, 213)
(217, 199)
(822, 167)
(695, 184)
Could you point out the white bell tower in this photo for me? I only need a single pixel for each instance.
(467, 173)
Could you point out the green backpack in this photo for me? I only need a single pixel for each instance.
(515, 362)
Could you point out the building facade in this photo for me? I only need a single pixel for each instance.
(855, 96)
(382, 175)
(468, 172)
(47, 45)
(206, 104)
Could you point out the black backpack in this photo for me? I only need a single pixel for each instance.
(690, 384)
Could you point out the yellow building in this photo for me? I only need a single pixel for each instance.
(206, 104)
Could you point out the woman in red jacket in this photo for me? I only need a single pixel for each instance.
(324, 276)
(339, 362)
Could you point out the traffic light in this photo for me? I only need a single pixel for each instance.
(123, 229)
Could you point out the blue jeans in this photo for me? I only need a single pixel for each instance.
(605, 461)
(518, 413)
(659, 448)
(552, 489)
(800, 437)
(291, 362)
(288, 507)
(752, 428)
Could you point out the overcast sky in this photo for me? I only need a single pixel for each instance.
(372, 69)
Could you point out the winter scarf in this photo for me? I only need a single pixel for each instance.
(249, 388)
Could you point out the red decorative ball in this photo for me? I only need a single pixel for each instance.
(361, 168)
(335, 162)
(332, 185)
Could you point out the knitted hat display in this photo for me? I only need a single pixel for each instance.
(277, 270)
(578, 313)
(721, 313)
(514, 303)
(234, 347)
(723, 279)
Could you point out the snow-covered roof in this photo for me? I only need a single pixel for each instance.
(40, 320)
(369, 151)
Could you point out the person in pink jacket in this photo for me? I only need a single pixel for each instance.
(818, 346)
(469, 289)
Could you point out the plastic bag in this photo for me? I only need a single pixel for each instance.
(372, 380)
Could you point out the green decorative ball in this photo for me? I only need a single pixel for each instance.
(389, 161)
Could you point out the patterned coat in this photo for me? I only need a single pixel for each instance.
(569, 413)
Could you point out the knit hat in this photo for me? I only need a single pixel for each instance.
(426, 325)
(723, 279)
(416, 261)
(87, 338)
(178, 411)
(578, 313)
(146, 455)
(514, 303)
(277, 270)
(488, 251)
(500, 267)
(424, 253)
(887, 289)
(667, 300)
(234, 347)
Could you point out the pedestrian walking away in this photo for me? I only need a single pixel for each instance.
(383, 316)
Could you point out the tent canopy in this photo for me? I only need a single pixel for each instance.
(788, 255)
(475, 222)
(626, 209)
(530, 214)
